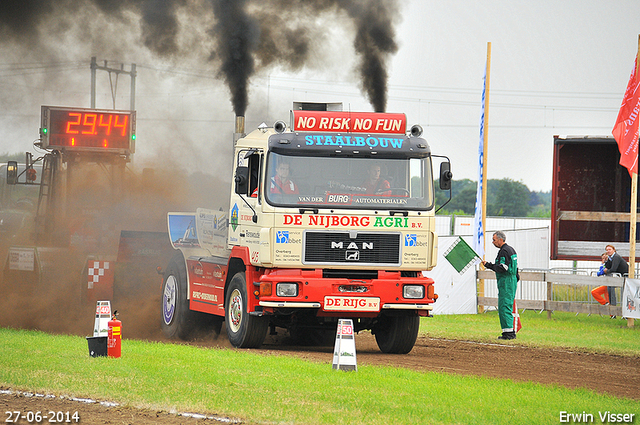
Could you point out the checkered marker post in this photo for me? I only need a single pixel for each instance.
(100, 275)
(95, 270)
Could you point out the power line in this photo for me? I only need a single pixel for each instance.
(20, 69)
(15, 70)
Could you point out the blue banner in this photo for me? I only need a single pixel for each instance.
(478, 230)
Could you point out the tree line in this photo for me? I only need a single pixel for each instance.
(505, 197)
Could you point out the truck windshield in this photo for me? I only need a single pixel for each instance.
(21, 196)
(360, 183)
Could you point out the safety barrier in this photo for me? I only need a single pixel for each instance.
(555, 291)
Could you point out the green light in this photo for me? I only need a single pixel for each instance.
(133, 136)
(44, 130)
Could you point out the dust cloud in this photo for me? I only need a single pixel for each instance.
(105, 207)
(107, 217)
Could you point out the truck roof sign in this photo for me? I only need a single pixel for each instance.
(349, 144)
(348, 122)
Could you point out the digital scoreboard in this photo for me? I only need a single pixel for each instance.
(95, 130)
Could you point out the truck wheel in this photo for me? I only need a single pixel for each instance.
(396, 334)
(177, 320)
(176, 316)
(243, 329)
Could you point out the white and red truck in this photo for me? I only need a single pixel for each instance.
(325, 246)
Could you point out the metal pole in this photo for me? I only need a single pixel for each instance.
(133, 87)
(93, 82)
(484, 164)
(634, 208)
(132, 74)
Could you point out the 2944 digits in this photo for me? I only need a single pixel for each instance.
(16, 416)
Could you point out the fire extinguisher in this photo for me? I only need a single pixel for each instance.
(114, 336)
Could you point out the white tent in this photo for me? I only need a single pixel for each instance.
(457, 292)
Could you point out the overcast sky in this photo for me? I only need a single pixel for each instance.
(557, 67)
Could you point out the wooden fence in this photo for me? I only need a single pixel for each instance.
(549, 304)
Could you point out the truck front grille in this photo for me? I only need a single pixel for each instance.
(351, 248)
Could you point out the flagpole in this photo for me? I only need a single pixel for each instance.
(484, 163)
(633, 209)
(485, 140)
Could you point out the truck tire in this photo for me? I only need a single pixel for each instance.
(177, 320)
(243, 329)
(175, 306)
(396, 334)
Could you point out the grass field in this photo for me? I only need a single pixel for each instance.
(594, 333)
(278, 389)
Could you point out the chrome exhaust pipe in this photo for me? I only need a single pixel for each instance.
(239, 131)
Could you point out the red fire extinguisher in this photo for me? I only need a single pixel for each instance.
(114, 336)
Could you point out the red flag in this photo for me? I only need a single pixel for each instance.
(625, 131)
(517, 324)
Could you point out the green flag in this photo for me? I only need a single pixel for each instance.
(461, 255)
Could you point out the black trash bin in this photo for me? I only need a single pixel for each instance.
(97, 346)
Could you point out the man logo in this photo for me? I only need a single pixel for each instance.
(352, 255)
(282, 236)
(410, 239)
(352, 245)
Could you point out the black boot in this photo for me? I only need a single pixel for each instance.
(508, 335)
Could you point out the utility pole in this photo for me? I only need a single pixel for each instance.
(132, 73)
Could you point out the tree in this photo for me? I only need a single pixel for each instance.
(540, 204)
(505, 197)
(464, 200)
(457, 187)
(512, 199)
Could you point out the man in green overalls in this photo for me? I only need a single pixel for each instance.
(506, 268)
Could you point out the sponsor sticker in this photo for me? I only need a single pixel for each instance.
(410, 239)
(22, 259)
(282, 236)
(351, 303)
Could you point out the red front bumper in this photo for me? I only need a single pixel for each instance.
(335, 296)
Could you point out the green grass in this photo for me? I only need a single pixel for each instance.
(277, 389)
(593, 333)
(571, 293)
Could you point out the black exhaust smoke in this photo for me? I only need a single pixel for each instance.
(237, 36)
(248, 34)
(374, 42)
(284, 38)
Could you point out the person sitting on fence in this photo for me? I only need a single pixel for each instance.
(619, 266)
(606, 263)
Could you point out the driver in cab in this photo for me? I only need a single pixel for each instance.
(374, 183)
(280, 183)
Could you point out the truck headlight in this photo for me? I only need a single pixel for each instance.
(413, 291)
(287, 289)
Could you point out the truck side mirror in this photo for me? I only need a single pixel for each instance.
(445, 176)
(242, 180)
(12, 172)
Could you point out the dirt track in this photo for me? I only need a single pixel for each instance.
(511, 361)
(507, 360)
